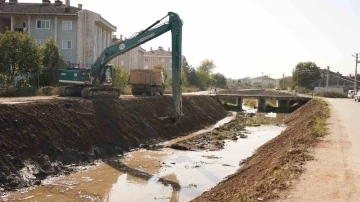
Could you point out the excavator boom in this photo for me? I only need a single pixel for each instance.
(99, 68)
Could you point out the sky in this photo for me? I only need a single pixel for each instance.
(247, 38)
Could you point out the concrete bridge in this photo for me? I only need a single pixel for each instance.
(283, 100)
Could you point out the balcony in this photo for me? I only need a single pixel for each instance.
(21, 29)
(15, 23)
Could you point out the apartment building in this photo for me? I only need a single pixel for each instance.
(160, 57)
(81, 34)
(264, 81)
(133, 59)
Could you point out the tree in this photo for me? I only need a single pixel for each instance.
(19, 55)
(287, 82)
(220, 80)
(120, 78)
(192, 77)
(163, 70)
(305, 74)
(184, 79)
(207, 66)
(52, 62)
(203, 80)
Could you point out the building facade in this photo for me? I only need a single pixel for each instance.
(245, 81)
(263, 81)
(81, 34)
(133, 59)
(160, 57)
(335, 80)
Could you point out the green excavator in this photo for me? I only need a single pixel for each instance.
(96, 81)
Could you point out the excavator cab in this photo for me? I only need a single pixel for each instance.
(108, 74)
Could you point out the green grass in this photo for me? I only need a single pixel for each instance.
(331, 94)
(319, 129)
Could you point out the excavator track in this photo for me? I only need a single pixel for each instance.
(69, 91)
(89, 91)
(100, 92)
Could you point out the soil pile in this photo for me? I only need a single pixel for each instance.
(39, 139)
(273, 165)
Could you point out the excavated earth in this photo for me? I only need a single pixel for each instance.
(274, 165)
(43, 138)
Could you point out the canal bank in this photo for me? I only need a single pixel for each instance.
(45, 137)
(160, 174)
(276, 164)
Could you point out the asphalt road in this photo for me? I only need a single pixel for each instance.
(335, 174)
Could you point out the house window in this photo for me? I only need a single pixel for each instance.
(67, 25)
(43, 24)
(162, 60)
(146, 59)
(66, 45)
(24, 25)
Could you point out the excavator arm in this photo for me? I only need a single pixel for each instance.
(91, 83)
(175, 26)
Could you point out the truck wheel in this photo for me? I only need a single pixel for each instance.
(153, 91)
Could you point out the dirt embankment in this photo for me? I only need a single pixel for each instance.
(274, 165)
(45, 136)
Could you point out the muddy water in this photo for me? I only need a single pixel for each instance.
(165, 175)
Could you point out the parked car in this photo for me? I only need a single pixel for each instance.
(357, 96)
(351, 94)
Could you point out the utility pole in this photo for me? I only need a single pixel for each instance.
(262, 79)
(327, 79)
(355, 78)
(283, 81)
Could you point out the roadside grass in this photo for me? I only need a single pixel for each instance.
(184, 90)
(331, 94)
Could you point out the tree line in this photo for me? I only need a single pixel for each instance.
(303, 77)
(201, 77)
(24, 65)
(27, 66)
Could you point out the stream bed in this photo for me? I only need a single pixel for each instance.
(154, 175)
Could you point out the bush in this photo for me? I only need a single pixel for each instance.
(331, 94)
(48, 91)
(22, 90)
(25, 90)
(126, 90)
(302, 90)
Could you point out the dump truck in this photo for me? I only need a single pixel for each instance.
(147, 81)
